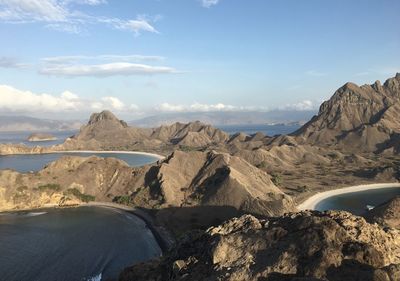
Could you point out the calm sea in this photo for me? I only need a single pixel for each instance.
(356, 202)
(269, 130)
(76, 244)
(35, 162)
(21, 137)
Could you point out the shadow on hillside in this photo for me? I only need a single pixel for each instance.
(179, 220)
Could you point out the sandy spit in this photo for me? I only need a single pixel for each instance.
(313, 201)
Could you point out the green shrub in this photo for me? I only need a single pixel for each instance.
(50, 186)
(277, 179)
(123, 199)
(261, 165)
(79, 195)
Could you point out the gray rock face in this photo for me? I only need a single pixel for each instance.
(357, 118)
(304, 246)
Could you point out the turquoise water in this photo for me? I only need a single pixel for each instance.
(85, 243)
(356, 202)
(35, 162)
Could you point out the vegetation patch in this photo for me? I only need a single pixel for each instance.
(261, 165)
(277, 179)
(123, 199)
(49, 186)
(79, 195)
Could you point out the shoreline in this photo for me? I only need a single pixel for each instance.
(311, 202)
(161, 235)
(158, 156)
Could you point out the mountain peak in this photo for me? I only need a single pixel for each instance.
(105, 115)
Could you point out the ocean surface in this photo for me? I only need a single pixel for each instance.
(356, 202)
(35, 162)
(21, 137)
(269, 130)
(75, 244)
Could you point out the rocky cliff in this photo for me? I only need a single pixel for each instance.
(332, 246)
(358, 118)
(105, 131)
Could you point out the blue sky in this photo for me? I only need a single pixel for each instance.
(65, 58)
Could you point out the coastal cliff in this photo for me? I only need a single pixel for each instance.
(332, 246)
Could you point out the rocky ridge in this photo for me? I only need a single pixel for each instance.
(303, 246)
(357, 118)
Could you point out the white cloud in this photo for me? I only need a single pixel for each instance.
(10, 62)
(120, 58)
(209, 3)
(212, 107)
(136, 26)
(58, 15)
(89, 2)
(114, 102)
(199, 107)
(167, 107)
(102, 70)
(300, 106)
(15, 100)
(32, 10)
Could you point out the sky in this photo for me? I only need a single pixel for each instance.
(67, 58)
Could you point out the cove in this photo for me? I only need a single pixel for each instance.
(34, 162)
(84, 243)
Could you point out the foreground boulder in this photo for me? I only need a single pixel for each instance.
(301, 246)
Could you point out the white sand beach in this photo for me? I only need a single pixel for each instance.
(312, 202)
(108, 151)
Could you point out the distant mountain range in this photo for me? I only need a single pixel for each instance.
(25, 123)
(226, 118)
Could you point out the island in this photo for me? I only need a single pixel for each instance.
(38, 137)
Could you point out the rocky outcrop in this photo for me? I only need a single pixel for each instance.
(219, 179)
(332, 246)
(190, 134)
(363, 119)
(386, 214)
(65, 182)
(37, 137)
(105, 131)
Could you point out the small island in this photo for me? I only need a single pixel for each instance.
(37, 137)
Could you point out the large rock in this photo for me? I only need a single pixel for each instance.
(332, 246)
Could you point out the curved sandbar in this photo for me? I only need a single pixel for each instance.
(314, 200)
(160, 157)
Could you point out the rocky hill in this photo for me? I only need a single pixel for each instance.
(67, 181)
(105, 131)
(358, 118)
(386, 214)
(310, 246)
(188, 189)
